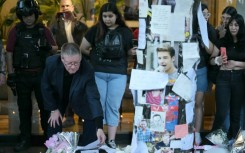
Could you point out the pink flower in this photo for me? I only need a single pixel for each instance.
(60, 143)
(51, 142)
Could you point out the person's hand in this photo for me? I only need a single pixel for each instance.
(221, 30)
(230, 64)
(132, 51)
(54, 118)
(224, 59)
(2, 79)
(101, 136)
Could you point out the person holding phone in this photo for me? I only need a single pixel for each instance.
(110, 62)
(230, 87)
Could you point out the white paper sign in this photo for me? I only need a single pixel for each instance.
(140, 56)
(190, 55)
(183, 87)
(143, 8)
(176, 144)
(183, 6)
(142, 34)
(147, 80)
(92, 145)
(203, 26)
(177, 27)
(187, 142)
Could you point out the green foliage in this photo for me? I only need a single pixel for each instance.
(1, 20)
(47, 7)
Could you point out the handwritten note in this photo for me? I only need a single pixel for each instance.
(143, 8)
(147, 80)
(160, 21)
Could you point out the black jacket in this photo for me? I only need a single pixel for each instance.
(84, 97)
(78, 30)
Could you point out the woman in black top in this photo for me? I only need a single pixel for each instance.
(108, 45)
(227, 13)
(230, 80)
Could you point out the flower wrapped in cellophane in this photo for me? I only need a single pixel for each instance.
(219, 138)
(64, 142)
(239, 144)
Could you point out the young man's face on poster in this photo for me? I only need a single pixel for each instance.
(165, 61)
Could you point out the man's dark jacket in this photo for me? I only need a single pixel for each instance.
(84, 96)
(78, 30)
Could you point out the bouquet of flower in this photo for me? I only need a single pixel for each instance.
(239, 144)
(64, 142)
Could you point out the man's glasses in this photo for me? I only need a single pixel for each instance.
(71, 63)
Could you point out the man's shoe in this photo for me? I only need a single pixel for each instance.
(22, 145)
(68, 122)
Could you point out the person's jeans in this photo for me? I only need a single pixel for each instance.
(111, 88)
(229, 95)
(227, 120)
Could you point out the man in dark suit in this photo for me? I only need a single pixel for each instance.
(69, 79)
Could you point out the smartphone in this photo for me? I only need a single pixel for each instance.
(66, 15)
(223, 51)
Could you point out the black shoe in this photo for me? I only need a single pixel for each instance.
(22, 145)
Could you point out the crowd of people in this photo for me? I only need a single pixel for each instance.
(225, 52)
(36, 55)
(73, 69)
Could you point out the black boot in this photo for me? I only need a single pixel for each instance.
(22, 145)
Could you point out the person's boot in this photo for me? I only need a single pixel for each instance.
(22, 145)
